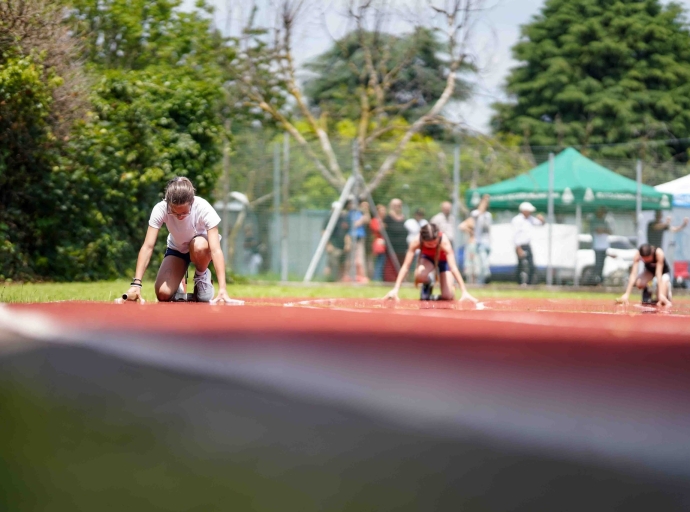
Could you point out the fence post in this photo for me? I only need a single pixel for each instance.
(226, 198)
(456, 194)
(353, 206)
(275, 263)
(578, 223)
(550, 219)
(638, 203)
(286, 201)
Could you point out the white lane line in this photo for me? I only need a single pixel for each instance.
(23, 330)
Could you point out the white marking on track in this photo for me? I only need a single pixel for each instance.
(28, 326)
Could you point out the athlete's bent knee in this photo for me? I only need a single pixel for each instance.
(163, 296)
(199, 249)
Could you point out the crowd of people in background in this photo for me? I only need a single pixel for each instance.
(381, 240)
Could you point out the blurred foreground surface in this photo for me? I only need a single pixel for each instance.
(189, 407)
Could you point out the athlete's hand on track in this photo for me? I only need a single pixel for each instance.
(623, 299)
(467, 296)
(663, 301)
(134, 293)
(222, 297)
(392, 295)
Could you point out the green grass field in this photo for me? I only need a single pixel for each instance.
(107, 291)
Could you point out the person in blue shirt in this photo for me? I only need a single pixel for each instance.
(359, 217)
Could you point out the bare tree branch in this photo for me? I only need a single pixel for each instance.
(458, 16)
(377, 76)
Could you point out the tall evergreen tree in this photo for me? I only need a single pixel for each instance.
(602, 72)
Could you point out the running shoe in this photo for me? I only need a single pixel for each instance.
(203, 286)
(180, 294)
(427, 288)
(646, 296)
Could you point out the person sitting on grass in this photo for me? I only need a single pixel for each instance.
(655, 265)
(436, 255)
(193, 226)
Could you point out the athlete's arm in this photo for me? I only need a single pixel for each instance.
(675, 229)
(218, 263)
(632, 278)
(404, 269)
(134, 292)
(453, 266)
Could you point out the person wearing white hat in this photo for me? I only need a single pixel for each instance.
(523, 225)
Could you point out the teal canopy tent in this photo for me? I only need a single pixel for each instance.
(578, 181)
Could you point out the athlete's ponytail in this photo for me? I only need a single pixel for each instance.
(429, 233)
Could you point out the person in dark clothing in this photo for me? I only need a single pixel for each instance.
(655, 266)
(338, 245)
(394, 223)
(656, 229)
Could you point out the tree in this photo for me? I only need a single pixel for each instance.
(597, 72)
(156, 113)
(42, 93)
(76, 188)
(335, 88)
(270, 50)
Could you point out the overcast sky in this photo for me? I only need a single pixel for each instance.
(498, 31)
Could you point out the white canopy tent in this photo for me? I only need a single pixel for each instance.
(677, 245)
(680, 189)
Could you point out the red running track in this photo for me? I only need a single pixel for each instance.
(602, 383)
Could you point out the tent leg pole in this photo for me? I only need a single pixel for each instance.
(549, 266)
(638, 203)
(578, 224)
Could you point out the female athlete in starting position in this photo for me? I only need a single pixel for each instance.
(193, 226)
(436, 251)
(655, 265)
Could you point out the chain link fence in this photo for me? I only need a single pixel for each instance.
(272, 228)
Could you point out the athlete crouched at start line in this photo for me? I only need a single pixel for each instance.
(193, 226)
(655, 265)
(436, 253)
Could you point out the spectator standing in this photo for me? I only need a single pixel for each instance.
(523, 226)
(656, 228)
(394, 223)
(445, 221)
(359, 218)
(378, 246)
(414, 224)
(601, 229)
(252, 248)
(482, 232)
(471, 257)
(338, 245)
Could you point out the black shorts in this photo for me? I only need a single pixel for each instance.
(182, 255)
(442, 265)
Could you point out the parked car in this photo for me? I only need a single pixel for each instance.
(619, 259)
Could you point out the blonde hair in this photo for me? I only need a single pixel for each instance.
(179, 190)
